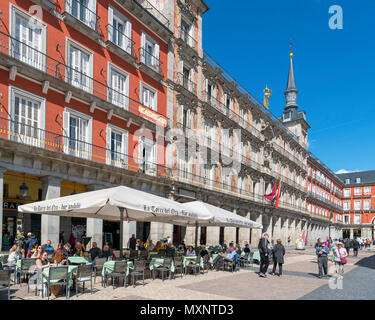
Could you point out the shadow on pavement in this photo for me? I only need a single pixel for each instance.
(368, 262)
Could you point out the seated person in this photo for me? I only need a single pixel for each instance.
(149, 245)
(13, 257)
(49, 248)
(33, 249)
(232, 253)
(157, 247)
(106, 252)
(170, 250)
(203, 252)
(37, 253)
(238, 250)
(78, 250)
(190, 252)
(247, 248)
(67, 250)
(95, 252)
(59, 258)
(42, 262)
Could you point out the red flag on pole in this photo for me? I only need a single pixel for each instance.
(271, 195)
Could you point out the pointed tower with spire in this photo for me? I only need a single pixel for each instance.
(293, 119)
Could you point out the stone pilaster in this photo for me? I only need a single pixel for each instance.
(244, 233)
(129, 228)
(50, 224)
(213, 235)
(156, 231)
(256, 234)
(1, 204)
(94, 227)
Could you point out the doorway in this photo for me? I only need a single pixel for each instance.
(111, 234)
(203, 235)
(221, 236)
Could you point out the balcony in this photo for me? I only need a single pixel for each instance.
(223, 109)
(186, 84)
(184, 39)
(82, 18)
(48, 5)
(38, 66)
(120, 44)
(61, 144)
(149, 15)
(150, 64)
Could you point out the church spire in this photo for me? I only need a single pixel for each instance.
(291, 90)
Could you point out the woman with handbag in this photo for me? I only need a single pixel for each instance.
(339, 258)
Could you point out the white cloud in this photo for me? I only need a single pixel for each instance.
(346, 171)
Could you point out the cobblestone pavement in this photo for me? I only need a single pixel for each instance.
(299, 281)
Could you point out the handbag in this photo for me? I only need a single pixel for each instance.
(343, 260)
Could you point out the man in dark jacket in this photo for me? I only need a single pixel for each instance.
(322, 252)
(30, 242)
(355, 247)
(278, 257)
(132, 242)
(347, 245)
(264, 258)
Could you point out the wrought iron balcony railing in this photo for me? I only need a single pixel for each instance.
(147, 5)
(118, 37)
(151, 61)
(185, 82)
(82, 13)
(187, 38)
(222, 108)
(41, 62)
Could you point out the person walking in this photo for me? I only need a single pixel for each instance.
(278, 257)
(347, 245)
(355, 247)
(339, 258)
(263, 247)
(322, 252)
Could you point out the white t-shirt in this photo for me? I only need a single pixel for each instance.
(336, 256)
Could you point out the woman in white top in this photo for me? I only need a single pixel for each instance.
(338, 254)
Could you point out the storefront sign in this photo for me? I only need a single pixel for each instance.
(151, 115)
(11, 205)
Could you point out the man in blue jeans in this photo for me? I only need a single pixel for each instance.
(322, 252)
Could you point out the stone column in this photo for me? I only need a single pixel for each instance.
(2, 170)
(256, 234)
(213, 234)
(190, 236)
(352, 233)
(244, 233)
(94, 227)
(129, 228)
(275, 229)
(284, 233)
(51, 187)
(156, 231)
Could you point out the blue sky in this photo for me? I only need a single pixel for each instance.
(334, 69)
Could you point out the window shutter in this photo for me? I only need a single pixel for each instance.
(143, 46)
(110, 22)
(128, 33)
(156, 54)
(124, 148)
(92, 14)
(66, 125)
(108, 144)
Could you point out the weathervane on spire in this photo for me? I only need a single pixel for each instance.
(291, 48)
(267, 95)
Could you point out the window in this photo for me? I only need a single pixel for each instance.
(208, 133)
(80, 70)
(147, 156)
(117, 146)
(347, 181)
(185, 35)
(149, 52)
(226, 178)
(149, 97)
(367, 190)
(30, 35)
(78, 133)
(346, 205)
(347, 193)
(118, 91)
(366, 204)
(208, 174)
(357, 180)
(287, 116)
(357, 190)
(28, 112)
(357, 219)
(347, 219)
(119, 30)
(357, 205)
(83, 10)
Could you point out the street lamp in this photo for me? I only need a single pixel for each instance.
(24, 189)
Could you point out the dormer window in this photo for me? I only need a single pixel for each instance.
(287, 116)
(347, 181)
(357, 180)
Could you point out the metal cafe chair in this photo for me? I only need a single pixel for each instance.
(5, 281)
(58, 276)
(84, 274)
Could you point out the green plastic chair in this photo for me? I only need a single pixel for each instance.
(58, 276)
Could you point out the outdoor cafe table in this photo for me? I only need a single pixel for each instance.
(152, 253)
(189, 259)
(157, 262)
(77, 260)
(110, 265)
